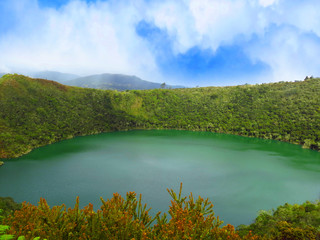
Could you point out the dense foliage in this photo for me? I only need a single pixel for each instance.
(120, 218)
(287, 222)
(36, 112)
(187, 218)
(8, 206)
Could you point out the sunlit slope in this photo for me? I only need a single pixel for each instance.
(36, 112)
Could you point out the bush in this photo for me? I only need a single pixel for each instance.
(8, 206)
(120, 218)
(294, 222)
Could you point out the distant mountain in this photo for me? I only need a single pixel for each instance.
(55, 76)
(116, 82)
(1, 74)
(119, 82)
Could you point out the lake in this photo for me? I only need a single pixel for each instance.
(239, 175)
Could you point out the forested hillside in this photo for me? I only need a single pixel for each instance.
(36, 112)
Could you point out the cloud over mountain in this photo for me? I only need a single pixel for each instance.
(191, 42)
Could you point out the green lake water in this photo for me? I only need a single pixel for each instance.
(239, 175)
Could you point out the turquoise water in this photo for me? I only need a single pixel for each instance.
(239, 175)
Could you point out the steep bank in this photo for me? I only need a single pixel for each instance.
(36, 112)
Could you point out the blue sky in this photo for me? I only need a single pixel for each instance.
(58, 3)
(189, 42)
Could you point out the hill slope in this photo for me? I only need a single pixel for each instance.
(115, 82)
(36, 112)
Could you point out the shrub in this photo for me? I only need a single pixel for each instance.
(120, 218)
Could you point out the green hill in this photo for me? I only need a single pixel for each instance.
(36, 112)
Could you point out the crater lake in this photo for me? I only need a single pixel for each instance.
(239, 175)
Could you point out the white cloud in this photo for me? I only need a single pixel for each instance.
(267, 3)
(281, 29)
(219, 22)
(100, 37)
(81, 38)
(292, 54)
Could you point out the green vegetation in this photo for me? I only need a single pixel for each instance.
(287, 222)
(8, 206)
(4, 229)
(36, 112)
(187, 218)
(120, 218)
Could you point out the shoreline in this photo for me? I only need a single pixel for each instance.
(146, 129)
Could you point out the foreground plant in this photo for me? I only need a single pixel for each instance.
(193, 219)
(4, 229)
(120, 218)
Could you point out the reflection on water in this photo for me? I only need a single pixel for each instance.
(240, 175)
